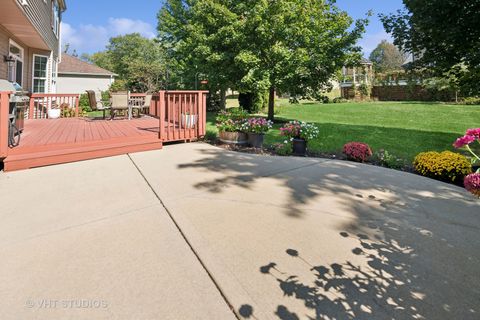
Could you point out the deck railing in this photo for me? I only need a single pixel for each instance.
(4, 123)
(40, 103)
(182, 114)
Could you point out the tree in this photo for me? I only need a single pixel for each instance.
(261, 45)
(386, 57)
(440, 34)
(138, 61)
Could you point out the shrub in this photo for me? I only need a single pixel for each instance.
(299, 130)
(444, 166)
(83, 102)
(472, 101)
(388, 160)
(472, 183)
(357, 151)
(283, 149)
(340, 100)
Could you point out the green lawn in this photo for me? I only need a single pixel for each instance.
(402, 128)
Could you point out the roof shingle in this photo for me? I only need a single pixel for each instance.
(74, 65)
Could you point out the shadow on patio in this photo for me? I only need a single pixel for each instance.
(413, 241)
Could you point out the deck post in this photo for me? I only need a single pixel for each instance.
(161, 115)
(30, 107)
(77, 103)
(4, 111)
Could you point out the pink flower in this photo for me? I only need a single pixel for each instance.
(357, 151)
(474, 132)
(472, 183)
(465, 140)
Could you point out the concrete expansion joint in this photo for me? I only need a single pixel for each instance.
(177, 226)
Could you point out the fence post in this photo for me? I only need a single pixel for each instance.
(161, 114)
(4, 111)
(77, 103)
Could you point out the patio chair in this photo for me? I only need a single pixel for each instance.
(144, 106)
(119, 103)
(97, 104)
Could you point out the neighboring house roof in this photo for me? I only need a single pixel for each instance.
(365, 61)
(73, 65)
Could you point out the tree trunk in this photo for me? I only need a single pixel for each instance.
(223, 99)
(271, 104)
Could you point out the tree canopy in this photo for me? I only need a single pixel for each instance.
(292, 46)
(386, 57)
(138, 61)
(443, 35)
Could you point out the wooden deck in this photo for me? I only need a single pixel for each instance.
(46, 142)
(173, 116)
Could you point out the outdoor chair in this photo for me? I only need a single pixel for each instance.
(97, 104)
(120, 103)
(144, 107)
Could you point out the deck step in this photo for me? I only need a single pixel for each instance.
(80, 152)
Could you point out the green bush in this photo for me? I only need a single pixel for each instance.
(472, 101)
(83, 103)
(339, 100)
(445, 166)
(252, 102)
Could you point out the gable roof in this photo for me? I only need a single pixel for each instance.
(73, 65)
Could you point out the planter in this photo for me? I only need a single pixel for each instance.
(255, 140)
(53, 113)
(299, 147)
(233, 137)
(189, 121)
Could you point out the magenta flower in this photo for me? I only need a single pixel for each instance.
(474, 133)
(472, 183)
(464, 141)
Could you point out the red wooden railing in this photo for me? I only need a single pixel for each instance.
(41, 102)
(4, 112)
(182, 114)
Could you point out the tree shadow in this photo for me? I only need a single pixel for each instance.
(412, 234)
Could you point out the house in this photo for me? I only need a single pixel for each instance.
(77, 76)
(30, 43)
(354, 76)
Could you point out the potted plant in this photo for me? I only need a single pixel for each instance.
(54, 111)
(230, 125)
(189, 120)
(299, 133)
(256, 129)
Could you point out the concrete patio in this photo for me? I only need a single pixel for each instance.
(196, 232)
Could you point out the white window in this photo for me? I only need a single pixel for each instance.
(40, 73)
(15, 68)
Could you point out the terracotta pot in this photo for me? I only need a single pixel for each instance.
(255, 140)
(299, 147)
(233, 137)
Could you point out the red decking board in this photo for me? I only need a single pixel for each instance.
(53, 141)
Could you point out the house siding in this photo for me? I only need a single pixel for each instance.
(5, 37)
(39, 12)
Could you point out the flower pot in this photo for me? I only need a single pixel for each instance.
(255, 140)
(233, 137)
(189, 121)
(299, 147)
(53, 113)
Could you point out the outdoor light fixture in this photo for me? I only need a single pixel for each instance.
(10, 60)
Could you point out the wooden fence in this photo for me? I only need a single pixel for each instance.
(4, 123)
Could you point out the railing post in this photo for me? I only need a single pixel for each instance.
(31, 106)
(4, 111)
(161, 114)
(77, 103)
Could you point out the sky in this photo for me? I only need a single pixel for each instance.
(88, 24)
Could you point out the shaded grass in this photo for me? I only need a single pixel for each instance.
(404, 129)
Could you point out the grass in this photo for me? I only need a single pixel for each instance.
(404, 129)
